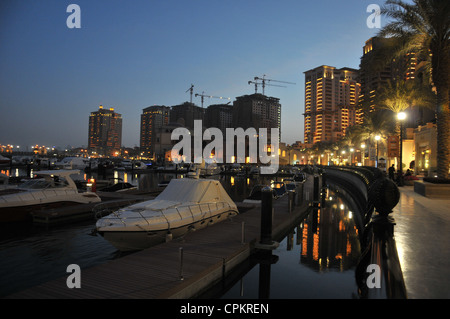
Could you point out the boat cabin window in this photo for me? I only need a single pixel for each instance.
(46, 182)
(35, 184)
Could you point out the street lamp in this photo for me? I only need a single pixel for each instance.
(377, 138)
(363, 153)
(401, 116)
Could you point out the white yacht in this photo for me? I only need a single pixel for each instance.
(49, 189)
(186, 204)
(206, 169)
(72, 162)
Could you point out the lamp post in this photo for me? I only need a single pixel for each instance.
(377, 138)
(363, 154)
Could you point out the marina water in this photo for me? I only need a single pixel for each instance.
(315, 260)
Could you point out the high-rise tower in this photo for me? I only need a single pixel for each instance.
(331, 103)
(105, 132)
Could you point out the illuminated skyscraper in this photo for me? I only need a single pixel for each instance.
(153, 118)
(105, 132)
(331, 103)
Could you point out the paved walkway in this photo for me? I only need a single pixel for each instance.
(422, 234)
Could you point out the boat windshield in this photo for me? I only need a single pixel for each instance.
(42, 183)
(35, 184)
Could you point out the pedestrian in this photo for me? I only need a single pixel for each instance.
(391, 172)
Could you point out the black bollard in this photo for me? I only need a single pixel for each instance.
(266, 242)
(266, 216)
(316, 188)
(28, 170)
(291, 201)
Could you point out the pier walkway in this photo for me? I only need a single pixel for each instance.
(154, 273)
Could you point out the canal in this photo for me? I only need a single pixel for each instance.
(317, 259)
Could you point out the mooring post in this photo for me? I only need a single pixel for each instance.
(181, 263)
(266, 242)
(291, 201)
(299, 194)
(316, 189)
(266, 216)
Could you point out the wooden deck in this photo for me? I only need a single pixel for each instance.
(208, 255)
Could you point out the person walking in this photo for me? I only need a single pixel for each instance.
(391, 172)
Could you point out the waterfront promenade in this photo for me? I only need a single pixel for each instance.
(422, 235)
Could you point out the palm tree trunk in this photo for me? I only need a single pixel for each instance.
(441, 81)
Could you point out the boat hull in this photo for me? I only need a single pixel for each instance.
(24, 213)
(139, 240)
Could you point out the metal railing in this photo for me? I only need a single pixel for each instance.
(378, 273)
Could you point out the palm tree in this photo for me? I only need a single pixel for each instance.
(379, 122)
(423, 27)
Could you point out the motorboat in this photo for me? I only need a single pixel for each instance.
(4, 160)
(72, 162)
(48, 189)
(185, 205)
(206, 169)
(290, 184)
(210, 169)
(119, 187)
(139, 165)
(279, 188)
(255, 196)
(278, 191)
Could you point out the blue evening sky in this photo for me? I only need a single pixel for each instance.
(132, 54)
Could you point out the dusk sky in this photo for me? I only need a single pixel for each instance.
(132, 54)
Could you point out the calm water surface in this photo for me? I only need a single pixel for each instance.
(316, 260)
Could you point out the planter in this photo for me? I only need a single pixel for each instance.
(432, 190)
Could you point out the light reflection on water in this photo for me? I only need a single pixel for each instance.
(316, 260)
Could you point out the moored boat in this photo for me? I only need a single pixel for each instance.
(49, 189)
(185, 205)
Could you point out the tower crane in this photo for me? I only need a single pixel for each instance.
(192, 90)
(264, 80)
(256, 83)
(210, 96)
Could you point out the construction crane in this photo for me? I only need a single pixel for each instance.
(256, 83)
(191, 89)
(264, 80)
(210, 96)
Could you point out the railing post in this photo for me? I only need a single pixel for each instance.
(381, 251)
(181, 263)
(266, 216)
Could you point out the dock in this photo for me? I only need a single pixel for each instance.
(182, 268)
(110, 201)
